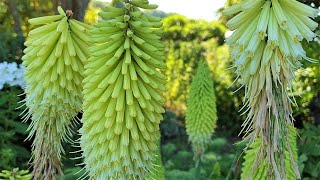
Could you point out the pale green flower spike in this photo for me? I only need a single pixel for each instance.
(266, 48)
(201, 114)
(251, 171)
(123, 93)
(54, 58)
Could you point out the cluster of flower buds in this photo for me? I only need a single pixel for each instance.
(266, 49)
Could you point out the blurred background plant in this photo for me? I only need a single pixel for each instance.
(186, 42)
(15, 174)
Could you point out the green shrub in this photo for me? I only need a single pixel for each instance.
(169, 149)
(179, 175)
(12, 131)
(309, 154)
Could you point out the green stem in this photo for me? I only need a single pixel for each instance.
(198, 169)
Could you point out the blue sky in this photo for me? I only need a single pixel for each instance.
(196, 9)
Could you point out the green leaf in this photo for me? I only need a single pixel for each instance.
(255, 170)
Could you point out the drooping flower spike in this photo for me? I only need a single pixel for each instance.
(123, 93)
(201, 114)
(266, 48)
(54, 60)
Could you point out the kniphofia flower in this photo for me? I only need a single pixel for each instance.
(267, 50)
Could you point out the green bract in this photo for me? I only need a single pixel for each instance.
(201, 114)
(123, 89)
(266, 48)
(157, 170)
(54, 58)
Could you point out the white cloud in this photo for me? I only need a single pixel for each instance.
(197, 9)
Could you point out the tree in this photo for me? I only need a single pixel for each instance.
(77, 6)
(16, 18)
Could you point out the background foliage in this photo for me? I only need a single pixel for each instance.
(186, 42)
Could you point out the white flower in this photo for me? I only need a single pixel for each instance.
(11, 74)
